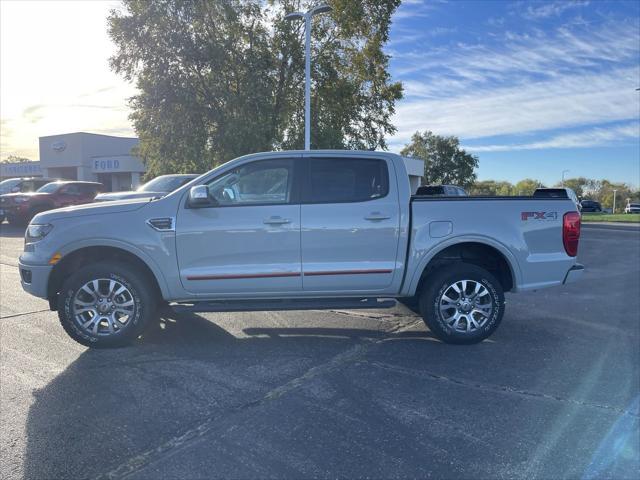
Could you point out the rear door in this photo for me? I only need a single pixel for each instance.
(350, 221)
(248, 243)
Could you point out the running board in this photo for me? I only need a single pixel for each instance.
(290, 304)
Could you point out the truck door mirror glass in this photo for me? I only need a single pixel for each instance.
(199, 197)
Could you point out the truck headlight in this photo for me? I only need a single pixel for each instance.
(36, 232)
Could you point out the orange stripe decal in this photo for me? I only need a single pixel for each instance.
(243, 275)
(346, 272)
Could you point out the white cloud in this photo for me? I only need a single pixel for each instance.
(551, 9)
(570, 101)
(574, 77)
(629, 132)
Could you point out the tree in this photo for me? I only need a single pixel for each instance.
(491, 187)
(15, 159)
(219, 79)
(604, 194)
(527, 186)
(445, 161)
(581, 185)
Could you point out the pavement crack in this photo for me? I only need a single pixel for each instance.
(25, 313)
(502, 389)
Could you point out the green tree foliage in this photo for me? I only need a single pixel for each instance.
(445, 161)
(491, 187)
(526, 186)
(580, 185)
(15, 159)
(219, 79)
(604, 194)
(585, 188)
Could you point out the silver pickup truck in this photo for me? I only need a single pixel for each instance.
(298, 230)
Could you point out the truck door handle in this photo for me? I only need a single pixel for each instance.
(276, 221)
(376, 216)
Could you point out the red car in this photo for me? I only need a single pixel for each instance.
(20, 208)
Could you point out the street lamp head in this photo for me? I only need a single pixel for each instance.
(321, 9)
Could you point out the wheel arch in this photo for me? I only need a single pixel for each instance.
(494, 258)
(84, 255)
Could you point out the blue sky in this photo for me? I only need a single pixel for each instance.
(532, 88)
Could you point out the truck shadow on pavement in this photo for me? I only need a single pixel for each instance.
(110, 405)
(192, 401)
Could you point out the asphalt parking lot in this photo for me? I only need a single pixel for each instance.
(554, 393)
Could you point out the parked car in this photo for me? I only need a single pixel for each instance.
(298, 230)
(558, 193)
(158, 187)
(21, 207)
(23, 185)
(441, 190)
(632, 208)
(591, 206)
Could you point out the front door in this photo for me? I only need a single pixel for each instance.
(248, 241)
(350, 225)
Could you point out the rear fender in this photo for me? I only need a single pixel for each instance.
(410, 287)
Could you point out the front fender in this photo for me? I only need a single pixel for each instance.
(132, 249)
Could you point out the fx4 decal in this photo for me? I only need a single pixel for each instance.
(539, 216)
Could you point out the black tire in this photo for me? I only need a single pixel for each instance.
(440, 282)
(138, 288)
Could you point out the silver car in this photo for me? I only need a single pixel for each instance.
(156, 188)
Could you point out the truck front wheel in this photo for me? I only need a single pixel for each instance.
(105, 305)
(462, 303)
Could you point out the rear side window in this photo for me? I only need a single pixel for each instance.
(89, 189)
(344, 180)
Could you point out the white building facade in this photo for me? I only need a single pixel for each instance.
(92, 157)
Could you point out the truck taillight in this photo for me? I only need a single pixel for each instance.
(571, 232)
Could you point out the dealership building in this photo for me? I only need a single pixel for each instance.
(109, 160)
(84, 156)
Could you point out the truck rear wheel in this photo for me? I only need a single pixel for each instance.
(105, 305)
(462, 303)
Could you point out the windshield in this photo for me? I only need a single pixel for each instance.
(49, 187)
(7, 185)
(164, 184)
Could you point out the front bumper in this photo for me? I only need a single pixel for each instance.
(35, 278)
(574, 274)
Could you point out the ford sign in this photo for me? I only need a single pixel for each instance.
(58, 146)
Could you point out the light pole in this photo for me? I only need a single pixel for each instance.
(614, 201)
(563, 172)
(307, 17)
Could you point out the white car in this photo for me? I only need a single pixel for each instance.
(632, 208)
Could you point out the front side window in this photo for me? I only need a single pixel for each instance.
(263, 182)
(342, 180)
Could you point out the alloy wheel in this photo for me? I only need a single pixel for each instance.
(465, 306)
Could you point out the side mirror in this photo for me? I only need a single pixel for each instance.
(199, 197)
